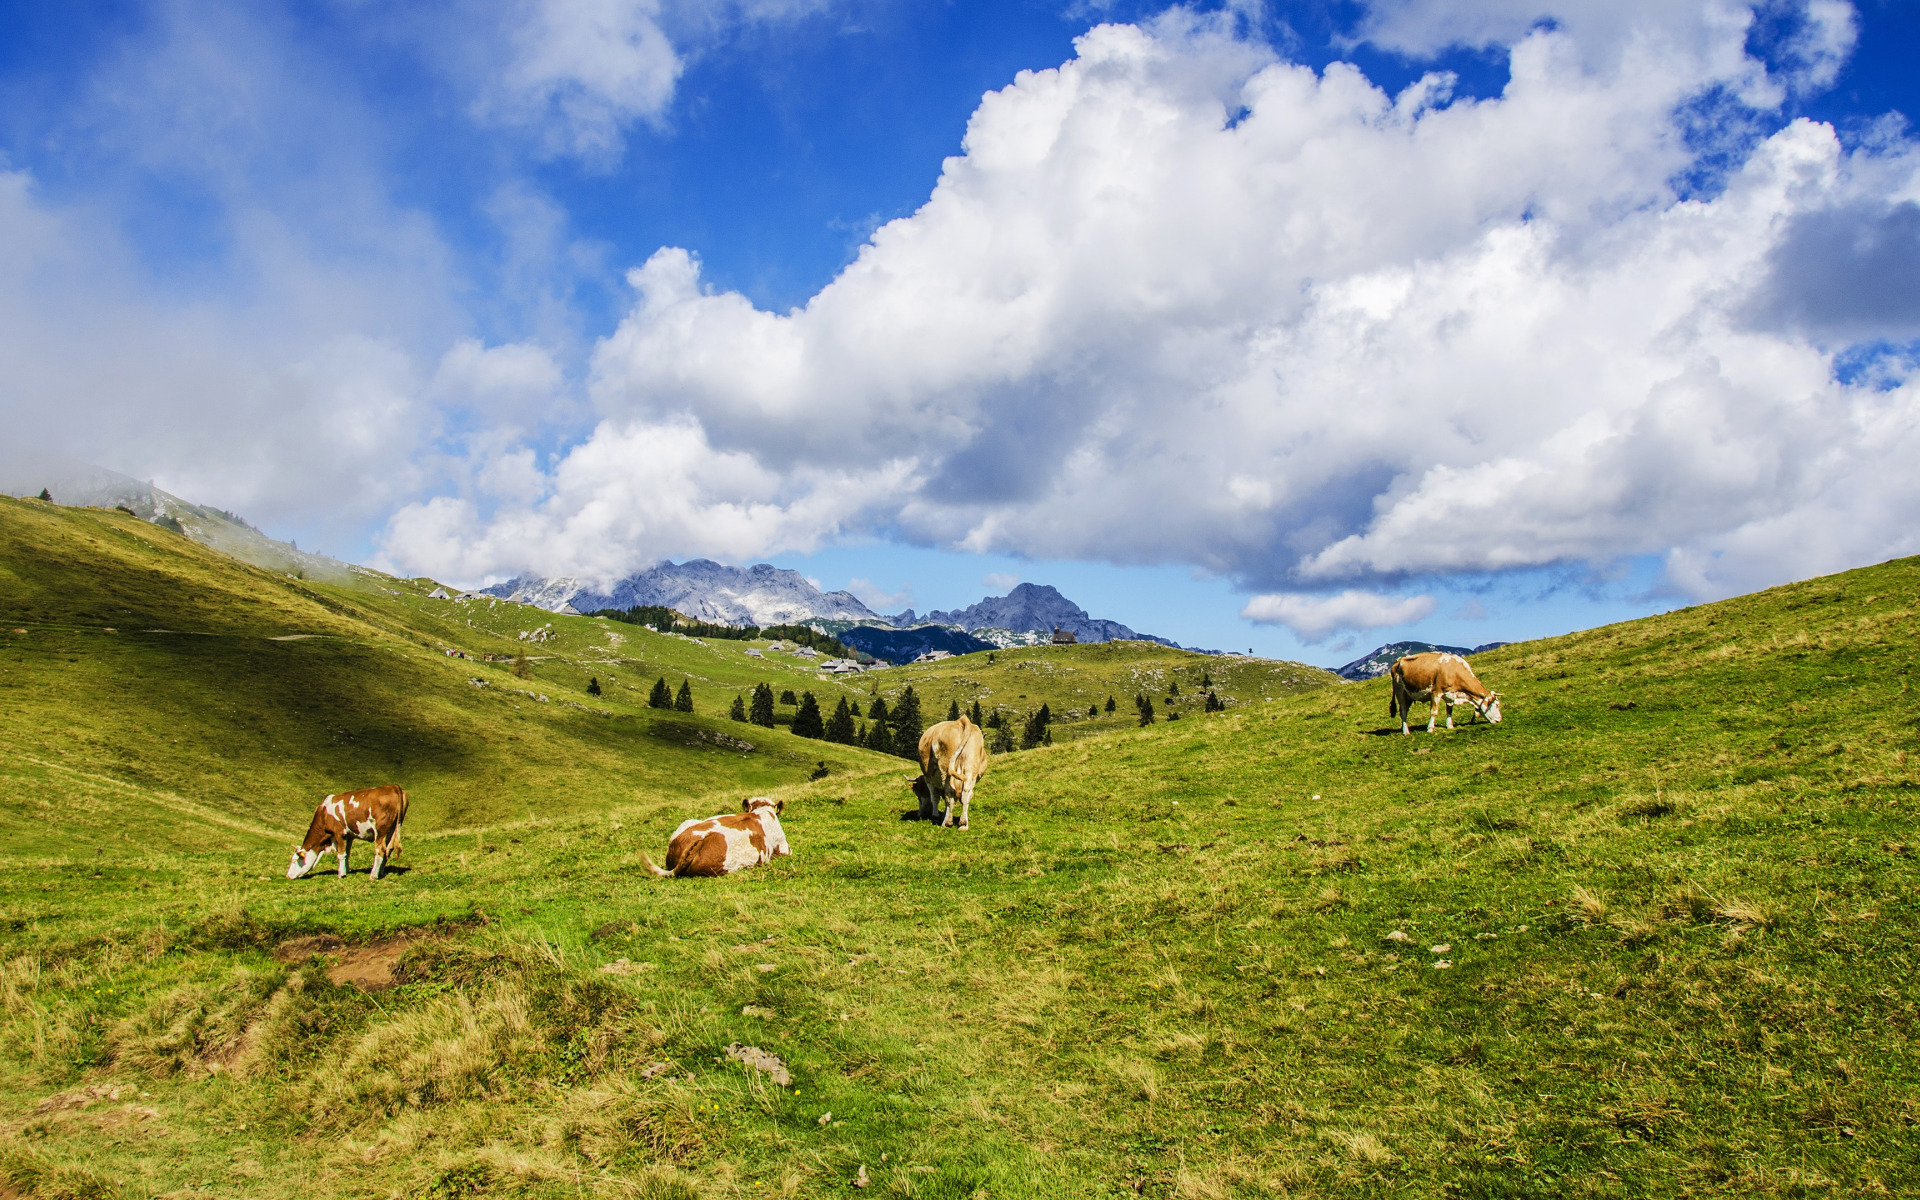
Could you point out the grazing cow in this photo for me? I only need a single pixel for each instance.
(1438, 679)
(374, 814)
(727, 843)
(953, 756)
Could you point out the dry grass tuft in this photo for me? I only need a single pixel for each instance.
(1744, 916)
(1360, 1146)
(1587, 906)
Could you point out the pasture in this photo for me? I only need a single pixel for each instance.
(1657, 928)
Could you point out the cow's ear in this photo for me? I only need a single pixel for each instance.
(779, 806)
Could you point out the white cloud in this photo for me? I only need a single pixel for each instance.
(581, 71)
(879, 599)
(1313, 618)
(1000, 581)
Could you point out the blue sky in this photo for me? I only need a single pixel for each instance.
(1536, 316)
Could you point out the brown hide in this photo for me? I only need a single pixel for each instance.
(953, 757)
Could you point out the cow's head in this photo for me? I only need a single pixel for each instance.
(1490, 707)
(917, 784)
(759, 803)
(303, 860)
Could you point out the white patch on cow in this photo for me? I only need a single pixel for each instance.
(365, 828)
(334, 808)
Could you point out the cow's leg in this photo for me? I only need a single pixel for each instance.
(342, 847)
(946, 791)
(966, 802)
(379, 857)
(1449, 712)
(929, 803)
(1433, 708)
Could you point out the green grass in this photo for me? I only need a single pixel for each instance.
(1681, 935)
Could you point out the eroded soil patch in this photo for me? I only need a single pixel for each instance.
(371, 968)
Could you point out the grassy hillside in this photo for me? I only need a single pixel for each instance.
(1658, 940)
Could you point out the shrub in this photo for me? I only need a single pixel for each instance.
(522, 669)
(787, 697)
(593, 686)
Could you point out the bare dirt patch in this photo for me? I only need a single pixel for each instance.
(371, 968)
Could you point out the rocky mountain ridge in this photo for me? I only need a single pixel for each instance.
(1378, 662)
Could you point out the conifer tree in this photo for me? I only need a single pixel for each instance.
(1036, 728)
(1146, 709)
(739, 710)
(840, 724)
(953, 711)
(684, 701)
(974, 716)
(854, 708)
(877, 710)
(593, 686)
(806, 722)
(879, 737)
(1206, 679)
(661, 696)
(1002, 739)
(762, 711)
(908, 724)
(787, 697)
(1173, 688)
(1110, 705)
(521, 668)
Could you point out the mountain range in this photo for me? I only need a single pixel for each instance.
(767, 595)
(1380, 661)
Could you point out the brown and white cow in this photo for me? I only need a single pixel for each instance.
(1438, 679)
(372, 814)
(727, 843)
(953, 756)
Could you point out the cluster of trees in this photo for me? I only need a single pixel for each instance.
(830, 646)
(663, 696)
(661, 619)
(894, 730)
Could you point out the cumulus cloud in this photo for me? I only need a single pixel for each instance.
(581, 71)
(1181, 301)
(1313, 618)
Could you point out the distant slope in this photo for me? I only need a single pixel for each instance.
(905, 645)
(76, 483)
(1378, 662)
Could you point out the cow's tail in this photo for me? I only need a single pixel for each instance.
(648, 863)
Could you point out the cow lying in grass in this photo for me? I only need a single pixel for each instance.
(953, 756)
(1438, 679)
(372, 814)
(727, 843)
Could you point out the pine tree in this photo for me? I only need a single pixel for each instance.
(974, 716)
(739, 710)
(854, 708)
(45, 495)
(879, 737)
(953, 711)
(593, 686)
(1173, 688)
(840, 724)
(1110, 705)
(908, 725)
(521, 668)
(877, 710)
(762, 711)
(684, 701)
(806, 722)
(1215, 703)
(1146, 709)
(787, 697)
(1206, 679)
(661, 696)
(1036, 732)
(1002, 740)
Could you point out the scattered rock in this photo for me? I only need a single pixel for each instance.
(756, 1059)
(825, 1118)
(765, 966)
(1443, 965)
(1397, 936)
(79, 1098)
(754, 1010)
(861, 1179)
(656, 1070)
(1442, 948)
